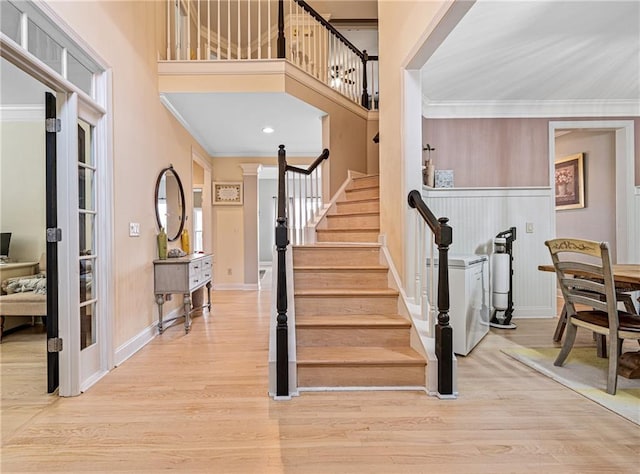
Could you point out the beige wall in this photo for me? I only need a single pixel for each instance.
(597, 220)
(228, 221)
(197, 177)
(22, 181)
(373, 149)
(502, 152)
(401, 26)
(146, 138)
(347, 139)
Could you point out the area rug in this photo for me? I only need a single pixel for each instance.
(586, 374)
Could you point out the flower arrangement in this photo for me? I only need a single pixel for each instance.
(564, 175)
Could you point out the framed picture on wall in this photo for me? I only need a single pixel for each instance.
(225, 193)
(569, 178)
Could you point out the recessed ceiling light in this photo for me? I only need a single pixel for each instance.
(268, 130)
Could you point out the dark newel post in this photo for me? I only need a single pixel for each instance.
(281, 39)
(282, 332)
(444, 332)
(365, 93)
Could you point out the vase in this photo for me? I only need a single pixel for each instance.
(562, 189)
(162, 244)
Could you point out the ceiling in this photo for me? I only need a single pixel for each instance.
(230, 124)
(538, 51)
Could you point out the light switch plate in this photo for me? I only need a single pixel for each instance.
(134, 229)
(529, 227)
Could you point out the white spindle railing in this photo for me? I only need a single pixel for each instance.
(205, 30)
(424, 281)
(304, 201)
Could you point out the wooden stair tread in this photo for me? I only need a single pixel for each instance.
(356, 201)
(370, 186)
(339, 245)
(353, 321)
(338, 355)
(339, 268)
(353, 214)
(350, 229)
(346, 292)
(356, 178)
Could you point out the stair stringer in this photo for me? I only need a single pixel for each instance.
(420, 339)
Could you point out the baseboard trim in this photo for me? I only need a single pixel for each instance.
(387, 388)
(235, 286)
(141, 339)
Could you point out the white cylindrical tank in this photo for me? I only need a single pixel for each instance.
(500, 275)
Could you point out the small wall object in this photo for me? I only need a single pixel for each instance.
(444, 179)
(185, 242)
(162, 244)
(569, 177)
(428, 174)
(227, 193)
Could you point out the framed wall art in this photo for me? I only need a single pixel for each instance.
(225, 193)
(569, 182)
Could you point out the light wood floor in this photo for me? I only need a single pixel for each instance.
(198, 403)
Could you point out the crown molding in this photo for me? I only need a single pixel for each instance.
(529, 108)
(21, 113)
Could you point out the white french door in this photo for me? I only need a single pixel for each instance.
(87, 257)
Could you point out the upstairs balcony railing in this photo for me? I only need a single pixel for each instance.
(226, 30)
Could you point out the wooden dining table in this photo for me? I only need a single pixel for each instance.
(626, 278)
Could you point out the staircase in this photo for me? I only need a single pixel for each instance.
(348, 330)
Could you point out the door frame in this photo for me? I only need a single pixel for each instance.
(74, 103)
(207, 207)
(626, 233)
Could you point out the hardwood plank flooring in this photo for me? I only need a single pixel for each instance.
(198, 403)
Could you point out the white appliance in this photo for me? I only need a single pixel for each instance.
(469, 298)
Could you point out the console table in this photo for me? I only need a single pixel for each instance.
(181, 275)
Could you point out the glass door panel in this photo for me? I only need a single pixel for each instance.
(87, 212)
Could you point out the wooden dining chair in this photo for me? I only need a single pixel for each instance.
(594, 289)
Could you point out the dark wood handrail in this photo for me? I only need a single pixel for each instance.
(444, 332)
(323, 156)
(416, 202)
(282, 240)
(329, 27)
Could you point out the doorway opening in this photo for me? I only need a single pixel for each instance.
(609, 180)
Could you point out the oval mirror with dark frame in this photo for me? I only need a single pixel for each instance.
(170, 206)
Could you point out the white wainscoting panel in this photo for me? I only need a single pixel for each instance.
(634, 251)
(477, 215)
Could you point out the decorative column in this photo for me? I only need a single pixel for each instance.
(250, 220)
